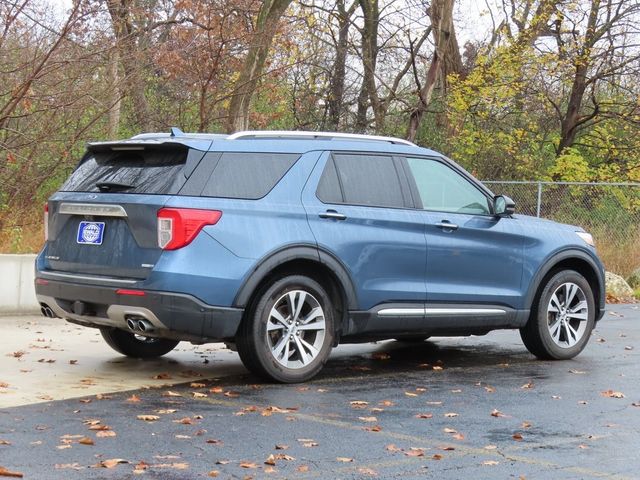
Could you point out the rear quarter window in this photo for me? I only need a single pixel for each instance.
(238, 175)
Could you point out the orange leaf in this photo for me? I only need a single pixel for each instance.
(86, 441)
(8, 473)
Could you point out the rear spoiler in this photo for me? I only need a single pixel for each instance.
(142, 144)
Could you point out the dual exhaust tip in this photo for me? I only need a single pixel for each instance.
(139, 325)
(46, 311)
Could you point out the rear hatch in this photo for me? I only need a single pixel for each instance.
(103, 220)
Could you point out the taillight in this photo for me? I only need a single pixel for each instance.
(177, 227)
(46, 222)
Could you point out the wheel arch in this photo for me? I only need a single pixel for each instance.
(304, 260)
(572, 259)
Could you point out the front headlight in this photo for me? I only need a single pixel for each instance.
(587, 237)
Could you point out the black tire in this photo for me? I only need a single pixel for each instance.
(253, 341)
(131, 345)
(536, 334)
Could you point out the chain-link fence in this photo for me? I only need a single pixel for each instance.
(609, 211)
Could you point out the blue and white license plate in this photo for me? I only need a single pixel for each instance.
(90, 233)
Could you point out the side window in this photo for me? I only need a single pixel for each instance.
(443, 189)
(367, 180)
(238, 175)
(329, 190)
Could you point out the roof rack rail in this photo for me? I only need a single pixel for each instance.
(316, 135)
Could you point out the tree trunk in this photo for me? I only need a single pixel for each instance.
(441, 14)
(370, 49)
(571, 120)
(266, 25)
(336, 85)
(113, 121)
(132, 61)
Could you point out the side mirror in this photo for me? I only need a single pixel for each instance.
(503, 206)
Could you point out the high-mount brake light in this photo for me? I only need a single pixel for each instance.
(177, 227)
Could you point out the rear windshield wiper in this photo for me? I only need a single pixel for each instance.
(108, 186)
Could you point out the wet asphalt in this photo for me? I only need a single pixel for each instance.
(451, 408)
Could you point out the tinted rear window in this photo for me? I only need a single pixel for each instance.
(238, 175)
(148, 171)
(369, 180)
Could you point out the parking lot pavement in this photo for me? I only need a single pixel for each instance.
(478, 407)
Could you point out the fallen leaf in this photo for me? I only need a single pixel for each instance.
(133, 399)
(368, 419)
(447, 448)
(490, 389)
(375, 428)
(231, 394)
(216, 390)
(197, 385)
(213, 473)
(437, 368)
(556, 397)
(628, 347)
(497, 413)
(222, 462)
(358, 403)
(367, 471)
(74, 466)
(182, 437)
(517, 436)
(437, 456)
(392, 448)
(86, 441)
(526, 425)
(281, 447)
(303, 468)
(199, 395)
(386, 403)
(214, 442)
(490, 447)
(169, 393)
(148, 418)
(8, 473)
(424, 415)
(527, 385)
(583, 447)
(635, 404)
(283, 456)
(166, 411)
(612, 394)
(449, 430)
(458, 436)
(184, 421)
(410, 394)
(450, 415)
(271, 460)
(105, 434)
(415, 452)
(490, 462)
(310, 444)
(110, 463)
(161, 376)
(577, 372)
(344, 459)
(5, 442)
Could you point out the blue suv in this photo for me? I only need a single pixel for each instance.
(285, 244)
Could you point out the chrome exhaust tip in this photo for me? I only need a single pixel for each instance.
(132, 324)
(145, 326)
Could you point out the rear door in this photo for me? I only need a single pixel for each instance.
(358, 206)
(103, 221)
(473, 257)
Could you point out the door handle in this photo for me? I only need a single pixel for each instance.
(333, 214)
(446, 225)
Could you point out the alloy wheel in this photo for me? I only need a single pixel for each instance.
(296, 329)
(567, 315)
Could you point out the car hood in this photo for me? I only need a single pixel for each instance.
(537, 222)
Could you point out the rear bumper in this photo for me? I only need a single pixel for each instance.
(172, 315)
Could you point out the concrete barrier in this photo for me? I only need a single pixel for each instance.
(17, 294)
